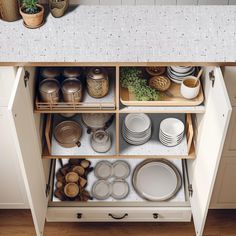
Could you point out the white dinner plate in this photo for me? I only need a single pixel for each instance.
(136, 134)
(101, 189)
(180, 74)
(137, 122)
(120, 189)
(181, 69)
(121, 169)
(103, 170)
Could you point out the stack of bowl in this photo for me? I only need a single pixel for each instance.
(178, 73)
(171, 132)
(137, 128)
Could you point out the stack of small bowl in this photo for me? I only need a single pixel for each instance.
(178, 73)
(171, 132)
(137, 128)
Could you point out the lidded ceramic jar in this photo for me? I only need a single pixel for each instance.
(72, 90)
(70, 72)
(49, 90)
(50, 72)
(100, 141)
(97, 82)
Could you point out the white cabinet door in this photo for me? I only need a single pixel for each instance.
(211, 135)
(28, 149)
(13, 194)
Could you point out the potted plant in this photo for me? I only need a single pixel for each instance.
(32, 13)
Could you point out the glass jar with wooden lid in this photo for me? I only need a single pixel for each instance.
(97, 82)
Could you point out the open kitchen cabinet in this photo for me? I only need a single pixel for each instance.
(209, 121)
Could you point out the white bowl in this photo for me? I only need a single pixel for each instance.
(172, 127)
(170, 138)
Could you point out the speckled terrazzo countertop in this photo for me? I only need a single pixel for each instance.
(126, 34)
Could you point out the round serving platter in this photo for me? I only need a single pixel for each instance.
(156, 180)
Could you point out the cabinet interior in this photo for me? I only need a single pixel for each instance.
(45, 114)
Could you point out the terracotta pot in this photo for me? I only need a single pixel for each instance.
(33, 20)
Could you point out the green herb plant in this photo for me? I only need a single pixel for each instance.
(30, 6)
(132, 79)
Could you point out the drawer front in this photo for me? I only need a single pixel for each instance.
(119, 214)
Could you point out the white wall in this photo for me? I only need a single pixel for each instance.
(151, 2)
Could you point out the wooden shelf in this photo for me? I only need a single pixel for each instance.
(154, 148)
(54, 150)
(107, 103)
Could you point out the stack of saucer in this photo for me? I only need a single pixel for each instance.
(171, 132)
(137, 128)
(178, 73)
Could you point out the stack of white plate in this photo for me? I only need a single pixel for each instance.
(171, 132)
(137, 128)
(178, 73)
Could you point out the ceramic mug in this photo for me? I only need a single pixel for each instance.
(189, 89)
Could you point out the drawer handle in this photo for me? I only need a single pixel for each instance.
(155, 215)
(117, 217)
(79, 215)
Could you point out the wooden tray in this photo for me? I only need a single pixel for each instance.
(176, 99)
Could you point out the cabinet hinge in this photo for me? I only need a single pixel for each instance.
(212, 77)
(47, 191)
(26, 77)
(190, 190)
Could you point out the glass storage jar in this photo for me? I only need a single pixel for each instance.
(101, 141)
(97, 82)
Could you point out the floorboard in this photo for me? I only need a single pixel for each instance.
(19, 223)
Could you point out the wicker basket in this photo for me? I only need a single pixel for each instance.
(58, 7)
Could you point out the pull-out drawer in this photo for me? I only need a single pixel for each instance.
(124, 214)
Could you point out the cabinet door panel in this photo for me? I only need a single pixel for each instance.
(230, 82)
(230, 141)
(224, 195)
(13, 193)
(28, 149)
(211, 135)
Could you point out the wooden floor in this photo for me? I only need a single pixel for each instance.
(19, 223)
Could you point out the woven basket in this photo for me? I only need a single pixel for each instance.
(58, 7)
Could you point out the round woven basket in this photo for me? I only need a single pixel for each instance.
(58, 8)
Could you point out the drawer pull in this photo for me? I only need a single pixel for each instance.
(117, 217)
(155, 215)
(79, 215)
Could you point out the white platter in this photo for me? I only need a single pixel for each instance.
(156, 180)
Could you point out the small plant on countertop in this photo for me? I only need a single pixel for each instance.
(132, 79)
(32, 13)
(30, 6)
